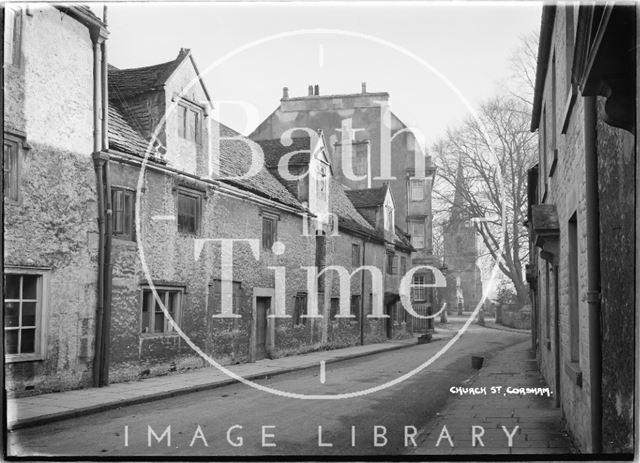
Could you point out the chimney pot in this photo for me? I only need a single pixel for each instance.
(317, 90)
(364, 87)
(310, 90)
(285, 93)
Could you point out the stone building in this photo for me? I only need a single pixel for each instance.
(582, 219)
(120, 216)
(50, 227)
(368, 146)
(464, 280)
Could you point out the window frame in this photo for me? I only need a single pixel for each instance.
(125, 235)
(197, 196)
(300, 308)
(419, 294)
(392, 266)
(189, 121)
(40, 337)
(274, 230)
(355, 255)
(403, 265)
(19, 144)
(415, 236)
(413, 188)
(15, 44)
(215, 296)
(354, 307)
(178, 311)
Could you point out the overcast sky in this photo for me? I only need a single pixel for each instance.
(468, 44)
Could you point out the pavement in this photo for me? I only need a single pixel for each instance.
(539, 422)
(46, 408)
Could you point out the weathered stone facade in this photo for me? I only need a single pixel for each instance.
(50, 226)
(582, 223)
(376, 132)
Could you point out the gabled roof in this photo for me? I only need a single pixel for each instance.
(274, 150)
(348, 217)
(122, 136)
(368, 197)
(128, 82)
(235, 159)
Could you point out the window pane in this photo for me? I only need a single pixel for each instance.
(158, 325)
(11, 313)
(127, 215)
(12, 286)
(145, 311)
(29, 287)
(11, 341)
(28, 314)
(28, 341)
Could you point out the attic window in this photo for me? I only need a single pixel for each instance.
(189, 123)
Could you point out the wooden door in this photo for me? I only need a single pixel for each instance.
(262, 310)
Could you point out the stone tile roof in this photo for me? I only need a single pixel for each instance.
(368, 197)
(122, 136)
(128, 82)
(274, 150)
(235, 159)
(404, 240)
(348, 217)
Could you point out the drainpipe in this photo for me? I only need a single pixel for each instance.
(97, 357)
(108, 266)
(593, 271)
(364, 242)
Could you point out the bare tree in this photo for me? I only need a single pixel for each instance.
(521, 81)
(485, 161)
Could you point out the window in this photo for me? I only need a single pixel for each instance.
(403, 265)
(11, 170)
(360, 158)
(122, 203)
(300, 308)
(419, 293)
(23, 308)
(392, 266)
(269, 232)
(355, 306)
(188, 212)
(189, 123)
(214, 303)
(153, 318)
(574, 292)
(335, 307)
(417, 235)
(12, 35)
(416, 191)
(355, 255)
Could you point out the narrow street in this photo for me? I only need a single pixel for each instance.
(291, 424)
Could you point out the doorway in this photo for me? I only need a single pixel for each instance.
(388, 322)
(263, 304)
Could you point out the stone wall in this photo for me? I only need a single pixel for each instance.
(52, 228)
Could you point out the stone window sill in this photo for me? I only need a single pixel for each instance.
(572, 369)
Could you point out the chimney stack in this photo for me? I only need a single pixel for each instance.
(364, 87)
(285, 93)
(310, 90)
(317, 90)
